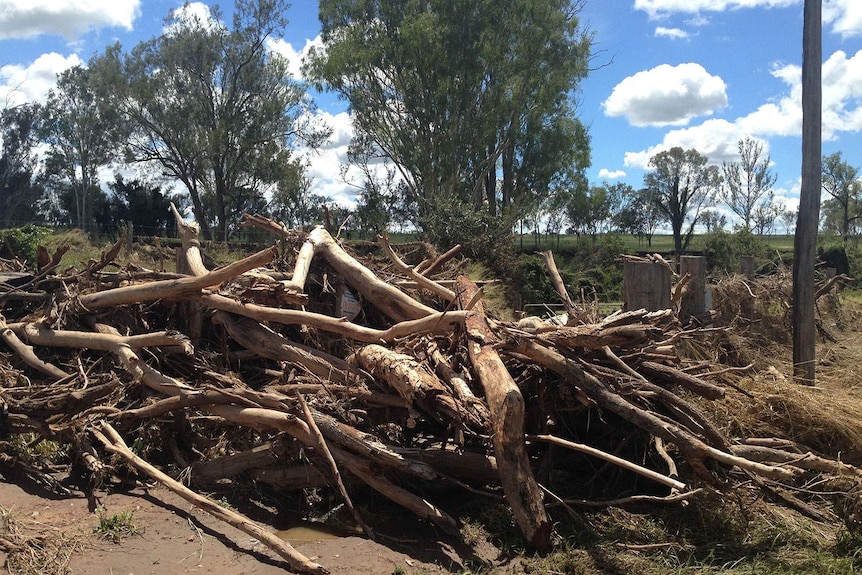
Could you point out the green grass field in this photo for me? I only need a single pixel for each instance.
(659, 244)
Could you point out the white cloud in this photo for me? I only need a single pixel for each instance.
(293, 56)
(194, 15)
(667, 95)
(69, 18)
(656, 8)
(325, 163)
(19, 84)
(717, 138)
(845, 17)
(606, 174)
(672, 33)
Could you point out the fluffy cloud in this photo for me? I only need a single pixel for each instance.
(324, 164)
(70, 18)
(667, 95)
(293, 56)
(657, 8)
(672, 33)
(845, 16)
(19, 84)
(606, 174)
(717, 138)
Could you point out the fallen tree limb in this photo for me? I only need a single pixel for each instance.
(173, 289)
(26, 353)
(506, 405)
(412, 382)
(115, 444)
(628, 465)
(421, 280)
(438, 322)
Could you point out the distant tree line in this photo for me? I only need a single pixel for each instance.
(463, 145)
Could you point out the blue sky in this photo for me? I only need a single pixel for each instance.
(690, 73)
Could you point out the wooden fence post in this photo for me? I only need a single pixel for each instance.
(130, 235)
(646, 285)
(693, 303)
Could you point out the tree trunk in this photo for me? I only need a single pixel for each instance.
(506, 405)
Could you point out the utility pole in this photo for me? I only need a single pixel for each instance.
(805, 241)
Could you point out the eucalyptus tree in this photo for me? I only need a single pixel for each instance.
(680, 185)
(842, 182)
(19, 194)
(214, 107)
(82, 134)
(748, 181)
(472, 100)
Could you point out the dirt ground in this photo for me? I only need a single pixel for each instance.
(178, 538)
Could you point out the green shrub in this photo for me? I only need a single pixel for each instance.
(723, 250)
(23, 242)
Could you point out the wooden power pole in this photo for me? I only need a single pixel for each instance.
(805, 241)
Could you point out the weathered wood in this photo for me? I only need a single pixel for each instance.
(26, 353)
(674, 376)
(559, 286)
(506, 405)
(693, 303)
(646, 285)
(805, 240)
(421, 280)
(438, 322)
(173, 289)
(114, 443)
(412, 381)
(611, 458)
(746, 266)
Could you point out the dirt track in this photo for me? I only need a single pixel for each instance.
(177, 539)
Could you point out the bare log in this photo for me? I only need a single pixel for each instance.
(115, 444)
(254, 336)
(412, 382)
(628, 465)
(559, 286)
(397, 305)
(438, 322)
(173, 289)
(597, 337)
(506, 405)
(673, 376)
(26, 353)
(372, 477)
(431, 266)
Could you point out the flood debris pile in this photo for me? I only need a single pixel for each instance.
(302, 367)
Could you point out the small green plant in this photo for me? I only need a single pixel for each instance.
(116, 526)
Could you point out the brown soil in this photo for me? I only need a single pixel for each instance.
(177, 538)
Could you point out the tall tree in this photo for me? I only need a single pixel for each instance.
(82, 133)
(842, 181)
(747, 181)
(457, 93)
(680, 185)
(214, 106)
(18, 192)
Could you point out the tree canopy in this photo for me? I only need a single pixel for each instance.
(457, 93)
(748, 181)
(680, 186)
(214, 107)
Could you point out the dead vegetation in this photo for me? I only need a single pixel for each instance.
(303, 367)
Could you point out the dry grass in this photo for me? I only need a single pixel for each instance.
(826, 417)
(34, 548)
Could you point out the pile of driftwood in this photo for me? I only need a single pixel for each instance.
(420, 386)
